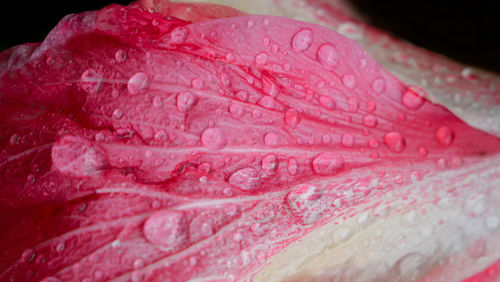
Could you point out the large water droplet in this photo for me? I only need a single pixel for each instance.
(167, 230)
(179, 35)
(395, 142)
(302, 40)
(271, 140)
(412, 98)
(270, 164)
(185, 101)
(305, 202)
(247, 179)
(91, 81)
(213, 138)
(138, 83)
(292, 118)
(347, 140)
(78, 157)
(445, 136)
(328, 56)
(327, 163)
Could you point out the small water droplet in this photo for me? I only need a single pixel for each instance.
(292, 118)
(242, 95)
(237, 111)
(91, 81)
(373, 143)
(185, 101)
(160, 135)
(305, 202)
(247, 179)
(327, 102)
(422, 151)
(441, 163)
(60, 247)
(395, 142)
(82, 207)
(328, 56)
(213, 138)
(267, 102)
(270, 164)
(371, 106)
(378, 86)
(352, 105)
(271, 140)
(445, 136)
(327, 163)
(238, 237)
(413, 98)
(179, 35)
(157, 101)
(293, 166)
(370, 121)
(261, 59)
(138, 264)
(14, 139)
(118, 113)
(301, 41)
(138, 83)
(349, 81)
(120, 56)
(250, 23)
(28, 255)
(347, 140)
(167, 230)
(197, 83)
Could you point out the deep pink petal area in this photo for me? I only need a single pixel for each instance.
(141, 147)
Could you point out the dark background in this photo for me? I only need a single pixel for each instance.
(468, 31)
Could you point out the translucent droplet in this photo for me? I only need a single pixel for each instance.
(185, 101)
(213, 138)
(347, 140)
(445, 136)
(78, 157)
(28, 255)
(422, 151)
(242, 95)
(327, 102)
(395, 142)
(270, 164)
(120, 56)
(167, 230)
(14, 139)
(197, 83)
(349, 81)
(160, 135)
(373, 143)
(60, 247)
(370, 121)
(378, 86)
(293, 166)
(157, 101)
(261, 59)
(353, 105)
(305, 202)
(292, 118)
(91, 81)
(138, 83)
(267, 102)
(247, 179)
(328, 56)
(179, 35)
(237, 111)
(118, 113)
(271, 140)
(250, 23)
(302, 40)
(327, 163)
(412, 98)
(138, 264)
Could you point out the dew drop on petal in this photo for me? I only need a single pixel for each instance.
(293, 166)
(179, 35)
(167, 230)
(395, 142)
(349, 81)
(347, 140)
(138, 83)
(412, 98)
(237, 111)
(292, 118)
(213, 138)
(120, 56)
(328, 56)
(301, 41)
(270, 164)
(185, 101)
(327, 102)
(445, 136)
(378, 86)
(247, 179)
(261, 59)
(271, 140)
(327, 163)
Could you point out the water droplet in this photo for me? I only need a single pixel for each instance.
(445, 136)
(267, 102)
(292, 118)
(370, 121)
(138, 83)
(395, 142)
(14, 139)
(28, 255)
(373, 143)
(247, 179)
(422, 151)
(352, 105)
(238, 237)
(197, 83)
(270, 164)
(157, 101)
(242, 95)
(138, 264)
(413, 98)
(347, 140)
(441, 163)
(193, 261)
(349, 81)
(91, 81)
(160, 135)
(185, 101)
(250, 23)
(60, 247)
(78, 157)
(328, 56)
(118, 113)
(378, 86)
(302, 40)
(261, 59)
(371, 106)
(237, 111)
(271, 140)
(327, 163)
(305, 202)
(179, 35)
(213, 138)
(293, 166)
(327, 102)
(167, 230)
(265, 21)
(120, 56)
(82, 207)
